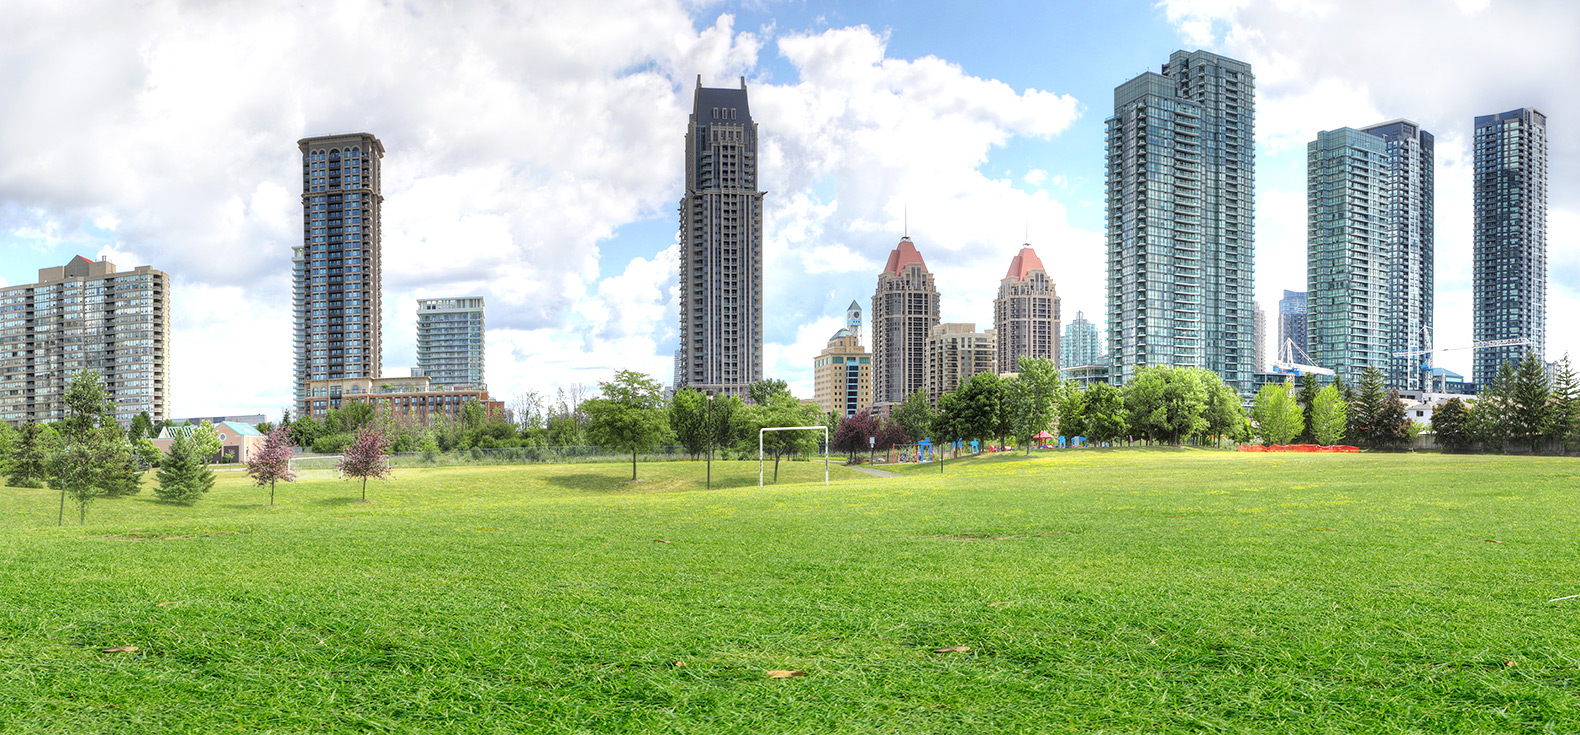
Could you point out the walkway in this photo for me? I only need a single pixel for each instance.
(874, 473)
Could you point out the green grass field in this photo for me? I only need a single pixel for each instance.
(1097, 591)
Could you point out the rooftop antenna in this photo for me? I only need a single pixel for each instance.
(906, 221)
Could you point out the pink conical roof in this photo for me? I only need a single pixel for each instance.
(1024, 262)
(903, 255)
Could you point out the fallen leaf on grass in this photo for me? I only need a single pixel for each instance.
(122, 649)
(659, 541)
(1492, 541)
(677, 663)
(953, 649)
(1510, 664)
(781, 674)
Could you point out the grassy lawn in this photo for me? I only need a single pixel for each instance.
(1097, 590)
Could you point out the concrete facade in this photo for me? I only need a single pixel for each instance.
(450, 342)
(721, 248)
(1509, 285)
(338, 299)
(955, 352)
(1026, 312)
(904, 312)
(85, 315)
(842, 372)
(404, 399)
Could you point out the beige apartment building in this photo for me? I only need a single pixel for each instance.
(842, 373)
(955, 352)
(403, 398)
(904, 311)
(85, 315)
(1026, 313)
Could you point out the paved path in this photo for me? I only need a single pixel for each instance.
(875, 473)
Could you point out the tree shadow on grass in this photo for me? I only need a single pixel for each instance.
(337, 502)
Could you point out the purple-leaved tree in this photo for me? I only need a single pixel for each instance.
(272, 463)
(364, 458)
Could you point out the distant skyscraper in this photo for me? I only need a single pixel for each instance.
(842, 374)
(1510, 281)
(904, 311)
(1026, 313)
(955, 352)
(721, 253)
(1369, 250)
(1261, 340)
(1080, 346)
(1291, 321)
(1180, 181)
(338, 280)
(450, 342)
(85, 315)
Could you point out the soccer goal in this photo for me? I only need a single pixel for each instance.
(762, 432)
(322, 467)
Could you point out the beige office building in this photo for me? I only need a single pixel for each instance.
(955, 352)
(842, 373)
(85, 315)
(904, 311)
(1026, 313)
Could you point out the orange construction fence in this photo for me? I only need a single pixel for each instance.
(1337, 448)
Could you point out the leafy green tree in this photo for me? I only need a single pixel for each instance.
(31, 456)
(305, 430)
(1031, 399)
(1363, 409)
(1531, 403)
(981, 407)
(349, 417)
(1491, 419)
(1390, 427)
(93, 448)
(1102, 413)
(1451, 425)
(914, 415)
(1308, 400)
(629, 415)
(688, 419)
(1166, 404)
(184, 475)
(782, 409)
(8, 438)
(726, 422)
(1564, 425)
(763, 391)
(947, 426)
(142, 424)
(1075, 414)
(1330, 416)
(1222, 412)
(1276, 414)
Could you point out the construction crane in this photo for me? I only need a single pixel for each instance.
(1294, 362)
(1428, 379)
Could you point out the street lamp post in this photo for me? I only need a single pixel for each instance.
(710, 441)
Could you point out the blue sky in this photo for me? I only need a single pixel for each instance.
(534, 153)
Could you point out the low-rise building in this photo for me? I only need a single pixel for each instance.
(400, 397)
(237, 441)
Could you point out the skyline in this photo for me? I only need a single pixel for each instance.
(571, 241)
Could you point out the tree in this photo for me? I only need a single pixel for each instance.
(1531, 402)
(629, 415)
(782, 409)
(688, 419)
(1074, 415)
(142, 424)
(364, 458)
(914, 415)
(1451, 425)
(8, 437)
(1564, 424)
(763, 391)
(890, 436)
(92, 448)
(1276, 414)
(1329, 416)
(981, 407)
(1031, 399)
(1363, 409)
(1222, 412)
(947, 427)
(305, 430)
(31, 456)
(184, 475)
(1390, 427)
(272, 463)
(1307, 400)
(726, 421)
(1166, 404)
(1102, 413)
(856, 434)
(1490, 420)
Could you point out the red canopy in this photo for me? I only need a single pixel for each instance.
(1043, 435)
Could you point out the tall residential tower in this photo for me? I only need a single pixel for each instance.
(450, 344)
(1180, 184)
(721, 248)
(1026, 313)
(1079, 345)
(904, 312)
(337, 295)
(1509, 292)
(1369, 253)
(842, 373)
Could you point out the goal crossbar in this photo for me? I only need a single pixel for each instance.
(762, 432)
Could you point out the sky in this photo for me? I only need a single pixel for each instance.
(534, 154)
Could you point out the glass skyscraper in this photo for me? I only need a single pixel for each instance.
(1079, 345)
(1180, 198)
(1509, 292)
(1291, 322)
(450, 342)
(1369, 252)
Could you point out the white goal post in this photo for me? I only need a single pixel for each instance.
(761, 432)
(323, 464)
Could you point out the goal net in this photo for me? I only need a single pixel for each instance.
(325, 467)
